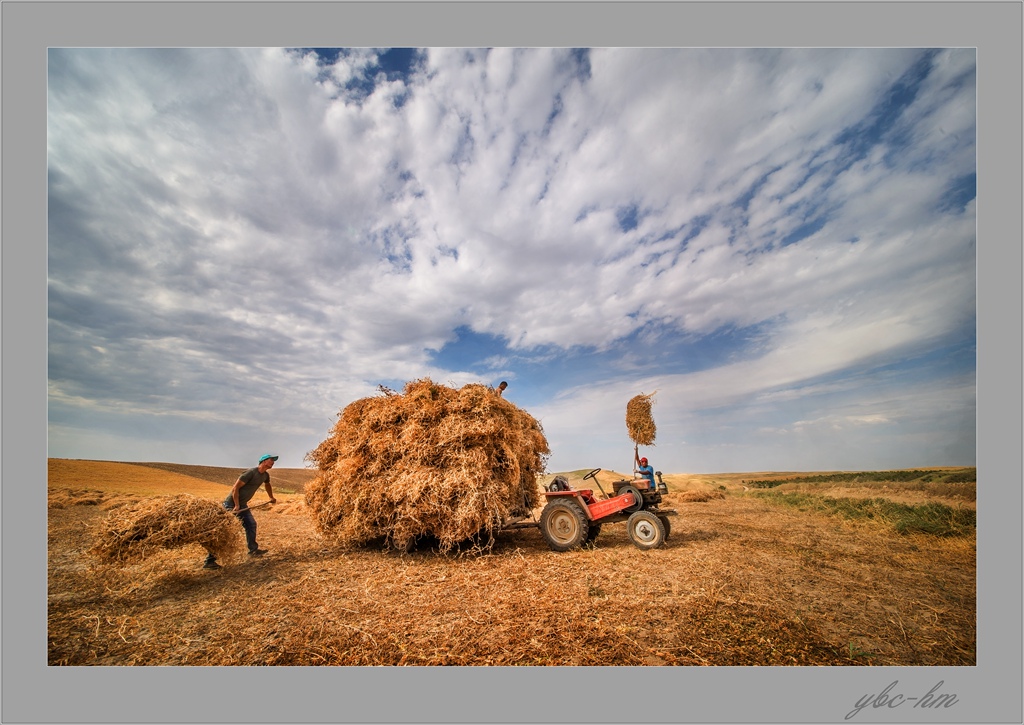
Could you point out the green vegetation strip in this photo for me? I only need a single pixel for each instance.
(966, 475)
(935, 519)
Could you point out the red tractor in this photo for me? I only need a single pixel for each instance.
(573, 518)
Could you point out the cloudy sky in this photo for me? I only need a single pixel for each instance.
(781, 243)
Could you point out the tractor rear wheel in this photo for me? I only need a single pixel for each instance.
(564, 525)
(592, 532)
(638, 499)
(645, 530)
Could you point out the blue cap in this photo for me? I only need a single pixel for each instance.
(265, 456)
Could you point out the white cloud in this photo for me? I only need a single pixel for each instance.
(249, 221)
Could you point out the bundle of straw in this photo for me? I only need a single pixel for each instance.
(639, 421)
(434, 461)
(167, 522)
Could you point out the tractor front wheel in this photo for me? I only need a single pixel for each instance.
(645, 530)
(564, 525)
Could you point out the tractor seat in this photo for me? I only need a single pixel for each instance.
(560, 483)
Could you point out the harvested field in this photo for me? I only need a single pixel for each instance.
(741, 581)
(284, 480)
(139, 479)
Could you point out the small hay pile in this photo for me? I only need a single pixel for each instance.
(699, 496)
(86, 497)
(289, 507)
(433, 461)
(65, 498)
(639, 421)
(167, 522)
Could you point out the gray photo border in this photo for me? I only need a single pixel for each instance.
(33, 692)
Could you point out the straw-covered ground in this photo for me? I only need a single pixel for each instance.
(816, 576)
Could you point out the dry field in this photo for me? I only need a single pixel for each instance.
(742, 580)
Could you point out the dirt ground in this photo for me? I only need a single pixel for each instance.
(740, 581)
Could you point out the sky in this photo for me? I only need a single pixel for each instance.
(778, 243)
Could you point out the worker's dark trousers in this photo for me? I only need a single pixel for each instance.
(248, 523)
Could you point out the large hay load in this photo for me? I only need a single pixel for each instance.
(432, 461)
(167, 522)
(639, 421)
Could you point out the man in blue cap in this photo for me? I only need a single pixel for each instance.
(237, 503)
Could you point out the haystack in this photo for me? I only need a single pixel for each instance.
(167, 522)
(434, 461)
(639, 421)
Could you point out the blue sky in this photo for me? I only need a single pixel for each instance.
(781, 243)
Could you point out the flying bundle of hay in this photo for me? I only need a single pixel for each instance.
(639, 421)
(167, 522)
(434, 461)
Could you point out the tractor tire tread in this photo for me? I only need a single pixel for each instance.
(578, 525)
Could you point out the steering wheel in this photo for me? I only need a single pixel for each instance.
(592, 474)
